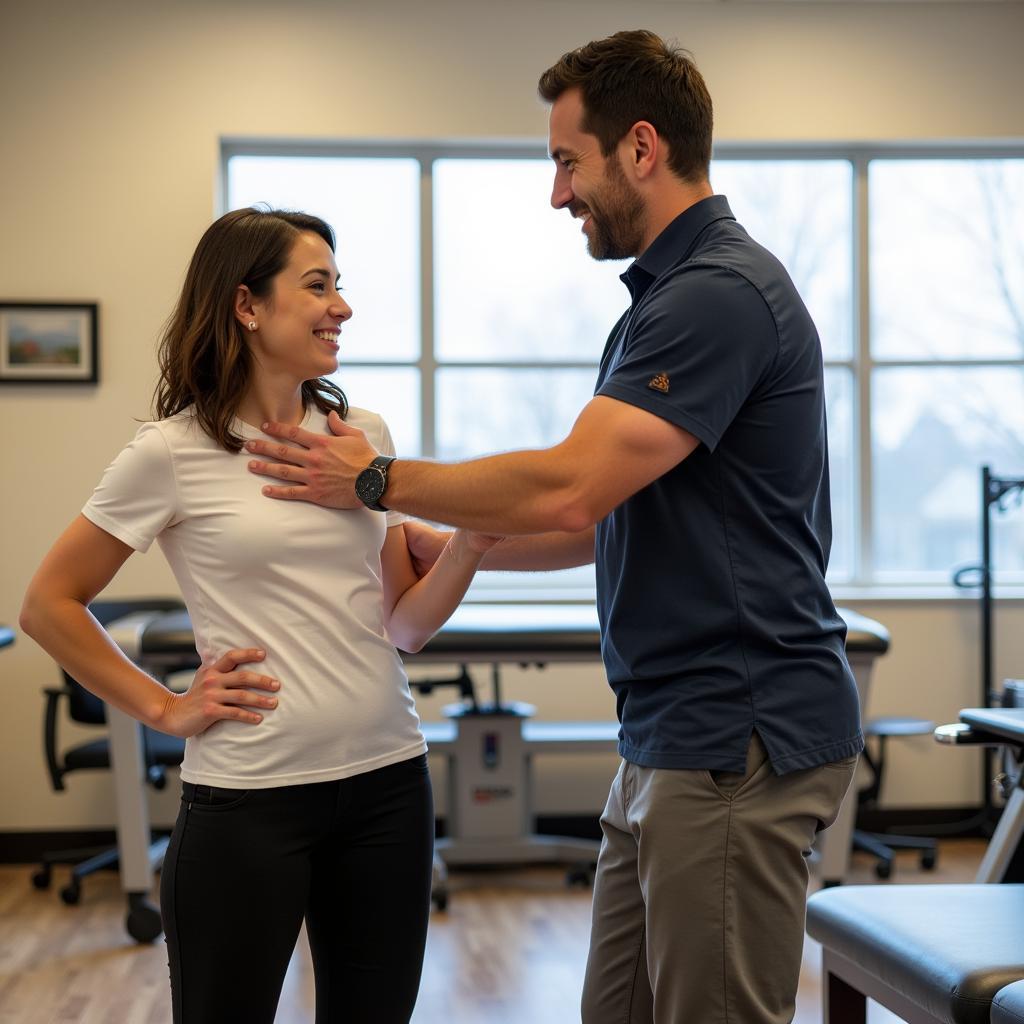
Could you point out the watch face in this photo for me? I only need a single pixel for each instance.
(370, 485)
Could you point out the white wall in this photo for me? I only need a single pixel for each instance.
(110, 118)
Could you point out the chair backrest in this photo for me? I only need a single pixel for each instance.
(85, 706)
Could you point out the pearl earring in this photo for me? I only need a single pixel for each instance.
(252, 325)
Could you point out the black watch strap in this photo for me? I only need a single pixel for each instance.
(373, 481)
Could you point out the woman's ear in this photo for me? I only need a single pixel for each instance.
(245, 310)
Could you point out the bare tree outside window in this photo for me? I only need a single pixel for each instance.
(521, 313)
(947, 329)
(801, 211)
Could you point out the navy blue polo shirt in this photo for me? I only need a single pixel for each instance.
(715, 616)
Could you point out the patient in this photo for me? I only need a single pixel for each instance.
(305, 789)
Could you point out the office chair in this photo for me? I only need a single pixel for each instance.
(883, 844)
(160, 751)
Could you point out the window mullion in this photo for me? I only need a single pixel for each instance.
(864, 561)
(427, 361)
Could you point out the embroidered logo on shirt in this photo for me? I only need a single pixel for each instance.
(659, 383)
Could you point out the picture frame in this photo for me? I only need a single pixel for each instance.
(49, 343)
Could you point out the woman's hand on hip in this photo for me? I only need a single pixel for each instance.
(220, 691)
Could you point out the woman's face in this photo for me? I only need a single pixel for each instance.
(300, 321)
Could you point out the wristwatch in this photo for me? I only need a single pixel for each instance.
(373, 481)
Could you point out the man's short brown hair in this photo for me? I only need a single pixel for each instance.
(636, 76)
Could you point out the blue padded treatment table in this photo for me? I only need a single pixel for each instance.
(489, 746)
(511, 633)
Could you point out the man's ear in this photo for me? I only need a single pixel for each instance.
(644, 148)
(245, 311)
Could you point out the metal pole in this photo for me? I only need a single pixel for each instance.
(986, 630)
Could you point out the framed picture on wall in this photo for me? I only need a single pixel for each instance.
(48, 343)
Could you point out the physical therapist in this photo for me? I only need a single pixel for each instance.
(697, 481)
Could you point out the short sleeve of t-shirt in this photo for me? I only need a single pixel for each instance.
(136, 499)
(699, 342)
(386, 446)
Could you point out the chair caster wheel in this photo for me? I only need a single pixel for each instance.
(143, 921)
(41, 879)
(71, 894)
(928, 859)
(883, 869)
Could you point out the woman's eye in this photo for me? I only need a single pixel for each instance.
(319, 286)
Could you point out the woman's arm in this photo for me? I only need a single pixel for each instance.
(539, 552)
(55, 614)
(414, 608)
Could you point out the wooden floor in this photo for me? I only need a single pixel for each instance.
(510, 950)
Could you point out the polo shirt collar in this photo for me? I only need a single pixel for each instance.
(674, 243)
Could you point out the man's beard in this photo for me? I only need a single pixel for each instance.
(617, 218)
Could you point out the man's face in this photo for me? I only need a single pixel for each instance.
(592, 187)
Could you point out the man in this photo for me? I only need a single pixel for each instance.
(697, 480)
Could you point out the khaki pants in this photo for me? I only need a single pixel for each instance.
(700, 893)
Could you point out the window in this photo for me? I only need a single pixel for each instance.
(516, 355)
(800, 209)
(373, 205)
(479, 319)
(947, 358)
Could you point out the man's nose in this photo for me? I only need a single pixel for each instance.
(561, 191)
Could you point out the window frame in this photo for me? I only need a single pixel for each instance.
(864, 579)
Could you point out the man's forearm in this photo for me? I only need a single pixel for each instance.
(613, 450)
(514, 493)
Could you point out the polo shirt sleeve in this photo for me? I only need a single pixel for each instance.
(700, 342)
(136, 499)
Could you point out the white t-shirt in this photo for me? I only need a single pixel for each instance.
(300, 581)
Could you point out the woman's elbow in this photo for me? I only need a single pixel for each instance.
(31, 617)
(408, 641)
(41, 608)
(411, 645)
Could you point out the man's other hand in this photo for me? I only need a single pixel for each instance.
(318, 468)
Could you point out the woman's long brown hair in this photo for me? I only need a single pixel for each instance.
(205, 361)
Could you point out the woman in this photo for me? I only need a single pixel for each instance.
(305, 785)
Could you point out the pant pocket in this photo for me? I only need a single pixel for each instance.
(837, 777)
(212, 798)
(729, 784)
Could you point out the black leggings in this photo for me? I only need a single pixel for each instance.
(244, 867)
